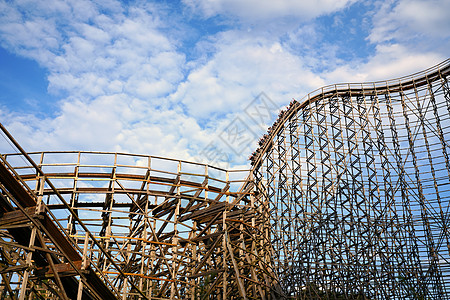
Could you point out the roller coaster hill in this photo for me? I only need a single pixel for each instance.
(348, 197)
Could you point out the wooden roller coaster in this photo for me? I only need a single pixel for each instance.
(348, 198)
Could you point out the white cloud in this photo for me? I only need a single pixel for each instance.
(91, 50)
(116, 68)
(108, 123)
(125, 84)
(390, 61)
(411, 19)
(241, 68)
(253, 10)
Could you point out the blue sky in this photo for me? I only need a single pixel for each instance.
(168, 77)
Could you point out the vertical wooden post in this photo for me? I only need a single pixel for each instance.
(26, 274)
(224, 241)
(84, 264)
(175, 234)
(70, 222)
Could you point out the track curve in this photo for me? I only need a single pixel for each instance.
(355, 180)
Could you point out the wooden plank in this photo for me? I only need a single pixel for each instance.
(13, 269)
(207, 255)
(213, 209)
(236, 269)
(208, 236)
(214, 271)
(64, 268)
(17, 217)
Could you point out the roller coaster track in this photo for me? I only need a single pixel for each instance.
(348, 198)
(121, 226)
(356, 184)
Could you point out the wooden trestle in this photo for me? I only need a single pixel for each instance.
(356, 179)
(91, 225)
(348, 198)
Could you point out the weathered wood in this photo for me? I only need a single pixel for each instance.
(64, 269)
(242, 291)
(203, 274)
(17, 217)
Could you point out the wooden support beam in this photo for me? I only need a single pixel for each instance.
(236, 269)
(63, 269)
(17, 217)
(207, 255)
(213, 271)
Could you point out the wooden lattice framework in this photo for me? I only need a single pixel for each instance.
(348, 198)
(129, 227)
(356, 183)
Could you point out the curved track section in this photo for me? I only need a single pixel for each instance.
(355, 180)
(348, 198)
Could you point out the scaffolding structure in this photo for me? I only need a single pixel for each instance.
(92, 225)
(348, 198)
(356, 184)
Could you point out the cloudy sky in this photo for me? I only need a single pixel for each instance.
(179, 78)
